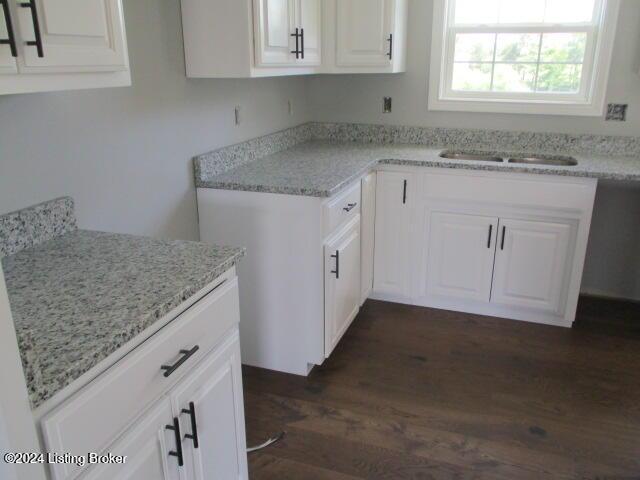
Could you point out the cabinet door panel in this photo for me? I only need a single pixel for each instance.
(274, 22)
(216, 392)
(146, 446)
(531, 268)
(362, 33)
(342, 289)
(77, 36)
(394, 197)
(367, 229)
(461, 254)
(310, 18)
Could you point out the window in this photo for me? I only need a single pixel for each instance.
(522, 56)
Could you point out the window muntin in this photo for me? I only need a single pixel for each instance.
(526, 50)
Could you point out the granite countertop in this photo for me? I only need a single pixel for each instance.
(77, 298)
(320, 168)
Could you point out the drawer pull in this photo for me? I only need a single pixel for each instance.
(490, 233)
(176, 431)
(349, 207)
(504, 231)
(194, 427)
(169, 369)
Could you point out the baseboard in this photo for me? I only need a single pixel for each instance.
(607, 296)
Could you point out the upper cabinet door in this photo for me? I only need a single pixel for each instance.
(461, 254)
(532, 264)
(7, 60)
(309, 13)
(75, 35)
(274, 24)
(364, 33)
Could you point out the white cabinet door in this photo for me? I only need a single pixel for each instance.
(210, 406)
(146, 445)
(77, 36)
(394, 198)
(460, 256)
(309, 14)
(342, 283)
(368, 209)
(7, 60)
(274, 23)
(532, 264)
(364, 33)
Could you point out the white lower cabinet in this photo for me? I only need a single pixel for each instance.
(532, 264)
(341, 282)
(367, 229)
(394, 199)
(461, 253)
(210, 409)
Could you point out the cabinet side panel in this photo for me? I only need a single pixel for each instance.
(217, 37)
(281, 277)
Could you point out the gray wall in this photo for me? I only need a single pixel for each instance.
(124, 153)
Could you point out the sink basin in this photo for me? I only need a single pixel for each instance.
(557, 161)
(469, 156)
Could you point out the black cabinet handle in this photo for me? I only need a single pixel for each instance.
(337, 257)
(169, 369)
(489, 239)
(390, 40)
(194, 427)
(349, 207)
(504, 230)
(11, 40)
(297, 37)
(302, 42)
(36, 26)
(404, 192)
(176, 431)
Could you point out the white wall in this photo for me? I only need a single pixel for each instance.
(124, 153)
(358, 98)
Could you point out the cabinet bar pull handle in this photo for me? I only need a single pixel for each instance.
(11, 40)
(489, 239)
(36, 26)
(504, 230)
(404, 192)
(337, 257)
(349, 207)
(194, 427)
(176, 431)
(297, 37)
(169, 369)
(390, 40)
(302, 42)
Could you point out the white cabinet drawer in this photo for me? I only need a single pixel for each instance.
(94, 417)
(341, 209)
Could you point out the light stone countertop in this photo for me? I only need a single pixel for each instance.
(320, 168)
(77, 298)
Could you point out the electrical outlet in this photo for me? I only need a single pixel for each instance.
(290, 106)
(238, 114)
(617, 112)
(386, 105)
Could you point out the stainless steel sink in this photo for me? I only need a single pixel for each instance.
(451, 155)
(559, 161)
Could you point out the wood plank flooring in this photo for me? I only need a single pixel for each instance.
(420, 393)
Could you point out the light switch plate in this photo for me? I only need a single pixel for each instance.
(617, 112)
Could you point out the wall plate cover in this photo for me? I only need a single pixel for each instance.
(617, 112)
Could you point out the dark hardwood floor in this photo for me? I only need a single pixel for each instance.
(421, 393)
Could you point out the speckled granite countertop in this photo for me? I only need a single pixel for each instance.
(320, 168)
(77, 298)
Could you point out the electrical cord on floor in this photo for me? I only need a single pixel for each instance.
(271, 441)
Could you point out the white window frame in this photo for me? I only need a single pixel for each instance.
(589, 101)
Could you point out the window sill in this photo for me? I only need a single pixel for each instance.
(516, 107)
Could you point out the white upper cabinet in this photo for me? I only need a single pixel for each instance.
(367, 36)
(461, 252)
(532, 264)
(64, 44)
